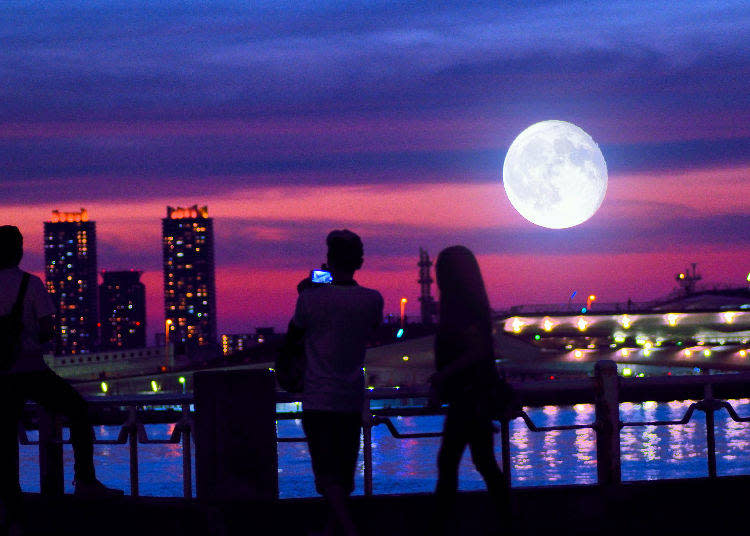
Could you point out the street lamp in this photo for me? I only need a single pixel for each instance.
(167, 328)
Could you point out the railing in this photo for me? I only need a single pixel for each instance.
(132, 433)
(605, 390)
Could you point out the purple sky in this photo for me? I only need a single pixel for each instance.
(292, 118)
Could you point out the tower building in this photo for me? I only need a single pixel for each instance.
(427, 303)
(122, 308)
(71, 277)
(189, 275)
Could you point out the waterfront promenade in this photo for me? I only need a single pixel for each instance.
(667, 507)
(237, 479)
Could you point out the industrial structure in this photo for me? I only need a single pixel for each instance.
(428, 305)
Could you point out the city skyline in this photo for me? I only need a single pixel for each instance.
(391, 120)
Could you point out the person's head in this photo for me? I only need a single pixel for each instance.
(11, 246)
(345, 251)
(463, 297)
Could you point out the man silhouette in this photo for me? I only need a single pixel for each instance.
(25, 376)
(337, 320)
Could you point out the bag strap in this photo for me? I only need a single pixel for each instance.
(18, 306)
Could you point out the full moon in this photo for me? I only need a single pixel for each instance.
(555, 175)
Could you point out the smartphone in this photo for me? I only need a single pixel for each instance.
(320, 276)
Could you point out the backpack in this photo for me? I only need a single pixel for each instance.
(11, 326)
(290, 361)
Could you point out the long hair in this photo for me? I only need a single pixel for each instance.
(463, 297)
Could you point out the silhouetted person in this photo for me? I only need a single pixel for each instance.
(25, 376)
(337, 320)
(466, 378)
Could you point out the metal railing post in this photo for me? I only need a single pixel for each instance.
(607, 393)
(51, 475)
(187, 458)
(133, 447)
(710, 430)
(505, 444)
(367, 445)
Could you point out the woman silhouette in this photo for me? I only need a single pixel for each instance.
(466, 376)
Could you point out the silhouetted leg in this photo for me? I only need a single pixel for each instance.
(333, 441)
(11, 406)
(482, 449)
(57, 396)
(449, 458)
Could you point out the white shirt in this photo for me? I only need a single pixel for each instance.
(338, 320)
(36, 304)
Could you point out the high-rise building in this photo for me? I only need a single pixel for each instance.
(71, 276)
(122, 310)
(189, 280)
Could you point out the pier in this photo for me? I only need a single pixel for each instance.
(237, 484)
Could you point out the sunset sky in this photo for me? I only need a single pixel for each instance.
(289, 119)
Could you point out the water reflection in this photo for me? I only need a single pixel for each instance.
(559, 457)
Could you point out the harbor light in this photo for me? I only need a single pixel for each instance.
(105, 387)
(516, 325)
(626, 321)
(672, 319)
(582, 324)
(707, 352)
(405, 358)
(743, 353)
(627, 372)
(548, 324)
(154, 386)
(181, 379)
(578, 354)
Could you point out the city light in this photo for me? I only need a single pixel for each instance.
(181, 379)
(582, 324)
(547, 324)
(626, 321)
(105, 387)
(729, 316)
(672, 319)
(154, 386)
(517, 325)
(627, 372)
(405, 358)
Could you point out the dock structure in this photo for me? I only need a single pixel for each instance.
(237, 483)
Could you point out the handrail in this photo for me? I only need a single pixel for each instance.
(709, 391)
